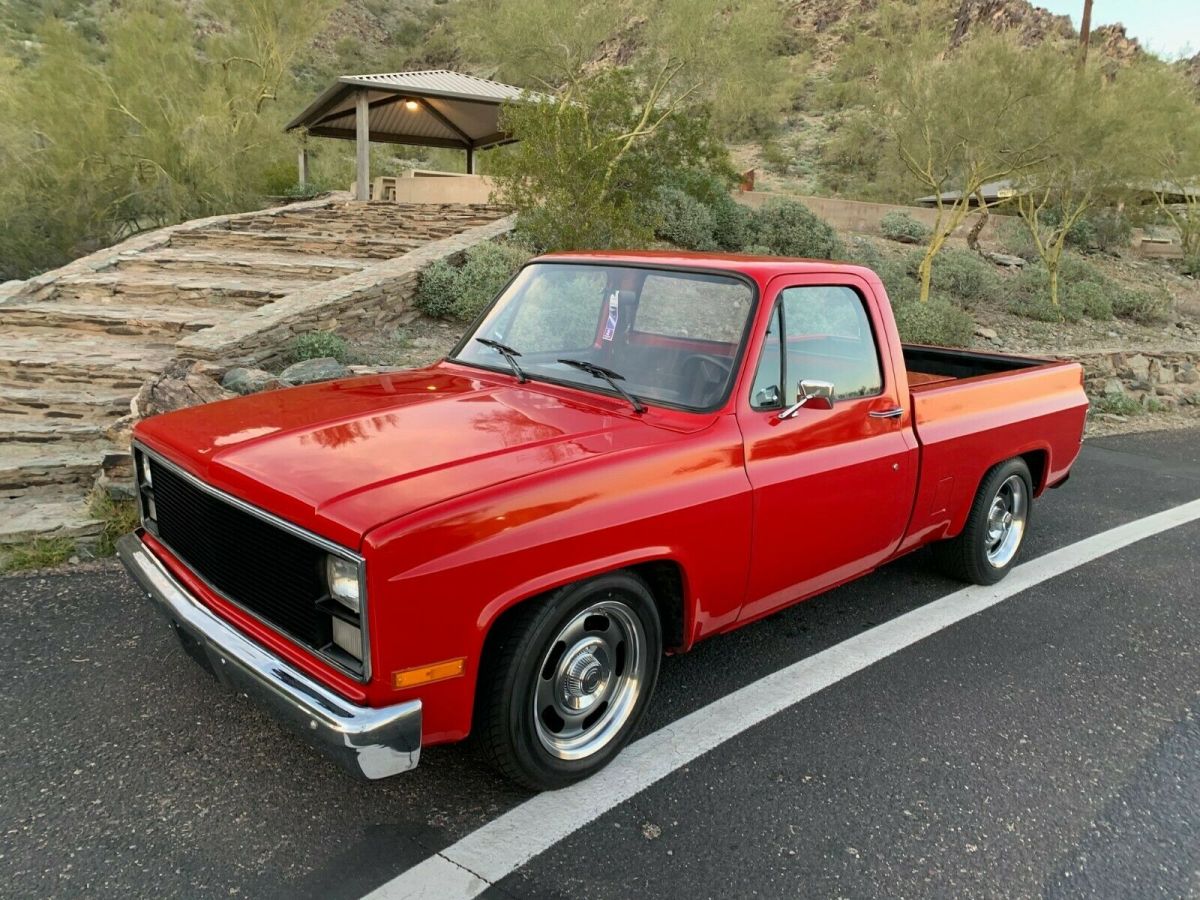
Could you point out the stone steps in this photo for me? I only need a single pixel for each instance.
(111, 317)
(46, 403)
(167, 289)
(179, 263)
(16, 428)
(34, 355)
(48, 516)
(358, 246)
(31, 468)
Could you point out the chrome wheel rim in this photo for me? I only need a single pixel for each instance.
(589, 681)
(1006, 522)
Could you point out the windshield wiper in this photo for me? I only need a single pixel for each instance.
(510, 356)
(608, 375)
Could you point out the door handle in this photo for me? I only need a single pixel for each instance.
(887, 413)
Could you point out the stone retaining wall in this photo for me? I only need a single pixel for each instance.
(1166, 378)
(380, 294)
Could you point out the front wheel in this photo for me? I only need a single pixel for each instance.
(566, 680)
(990, 542)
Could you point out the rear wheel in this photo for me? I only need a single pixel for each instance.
(990, 542)
(566, 680)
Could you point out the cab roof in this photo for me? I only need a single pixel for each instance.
(759, 267)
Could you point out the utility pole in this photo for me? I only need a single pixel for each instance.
(1085, 32)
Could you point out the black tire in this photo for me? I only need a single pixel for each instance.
(966, 557)
(513, 679)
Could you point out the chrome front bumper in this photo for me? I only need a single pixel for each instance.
(370, 743)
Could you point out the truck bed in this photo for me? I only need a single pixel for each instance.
(967, 404)
(932, 365)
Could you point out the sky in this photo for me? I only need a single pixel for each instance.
(1166, 27)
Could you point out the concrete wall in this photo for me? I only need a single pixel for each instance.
(864, 218)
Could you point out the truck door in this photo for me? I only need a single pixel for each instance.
(833, 479)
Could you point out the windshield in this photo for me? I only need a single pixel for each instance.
(672, 337)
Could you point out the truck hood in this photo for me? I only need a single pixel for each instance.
(343, 457)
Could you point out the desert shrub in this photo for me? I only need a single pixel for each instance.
(733, 224)
(960, 273)
(936, 321)
(1040, 308)
(1015, 239)
(900, 285)
(462, 292)
(789, 228)
(1118, 404)
(758, 250)
(1191, 266)
(900, 226)
(1095, 300)
(1074, 269)
(1103, 229)
(318, 345)
(437, 290)
(1145, 307)
(683, 220)
(864, 253)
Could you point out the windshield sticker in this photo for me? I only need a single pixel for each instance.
(610, 327)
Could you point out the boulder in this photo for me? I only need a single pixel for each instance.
(1113, 387)
(326, 368)
(242, 380)
(1007, 260)
(1139, 365)
(176, 388)
(988, 334)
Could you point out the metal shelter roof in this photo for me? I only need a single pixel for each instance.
(433, 108)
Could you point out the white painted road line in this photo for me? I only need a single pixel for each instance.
(467, 868)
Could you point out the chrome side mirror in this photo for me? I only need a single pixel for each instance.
(811, 395)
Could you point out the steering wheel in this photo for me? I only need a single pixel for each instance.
(704, 375)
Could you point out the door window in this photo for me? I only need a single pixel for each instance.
(817, 333)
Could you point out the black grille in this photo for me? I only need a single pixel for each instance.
(272, 573)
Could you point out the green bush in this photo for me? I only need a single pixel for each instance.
(318, 345)
(733, 224)
(1118, 404)
(789, 228)
(1103, 229)
(1015, 239)
(864, 253)
(1144, 307)
(437, 291)
(900, 285)
(683, 220)
(961, 274)
(937, 321)
(462, 292)
(1191, 266)
(1095, 300)
(900, 226)
(1039, 308)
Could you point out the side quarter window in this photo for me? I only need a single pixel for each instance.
(824, 334)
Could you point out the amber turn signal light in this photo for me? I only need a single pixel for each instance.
(451, 668)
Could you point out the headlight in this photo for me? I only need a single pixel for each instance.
(341, 576)
(147, 480)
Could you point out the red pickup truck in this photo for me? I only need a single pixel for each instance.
(626, 453)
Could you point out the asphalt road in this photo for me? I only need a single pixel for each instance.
(1049, 746)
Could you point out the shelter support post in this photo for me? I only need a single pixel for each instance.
(470, 160)
(362, 145)
(302, 167)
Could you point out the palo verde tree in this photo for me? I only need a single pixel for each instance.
(1087, 156)
(1166, 118)
(958, 120)
(154, 124)
(626, 95)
